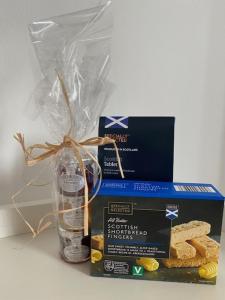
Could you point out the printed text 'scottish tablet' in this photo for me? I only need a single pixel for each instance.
(146, 147)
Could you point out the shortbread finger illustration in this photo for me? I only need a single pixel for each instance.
(196, 261)
(209, 270)
(206, 246)
(97, 241)
(182, 250)
(188, 231)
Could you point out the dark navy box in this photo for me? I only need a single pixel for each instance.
(157, 231)
(146, 147)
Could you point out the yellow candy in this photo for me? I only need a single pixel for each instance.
(149, 264)
(208, 271)
(96, 255)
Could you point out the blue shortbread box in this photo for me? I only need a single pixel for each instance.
(157, 231)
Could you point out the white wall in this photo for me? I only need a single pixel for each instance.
(168, 59)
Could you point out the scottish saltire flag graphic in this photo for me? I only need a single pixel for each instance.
(116, 122)
(172, 212)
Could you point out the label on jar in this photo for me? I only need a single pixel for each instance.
(74, 218)
(72, 248)
(70, 237)
(76, 253)
(71, 183)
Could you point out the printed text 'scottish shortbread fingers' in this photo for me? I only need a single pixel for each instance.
(97, 242)
(182, 250)
(188, 231)
(206, 246)
(196, 261)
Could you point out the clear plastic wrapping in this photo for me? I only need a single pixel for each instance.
(73, 49)
(76, 46)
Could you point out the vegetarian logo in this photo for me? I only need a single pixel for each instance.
(137, 270)
(116, 122)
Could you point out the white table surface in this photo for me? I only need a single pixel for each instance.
(34, 271)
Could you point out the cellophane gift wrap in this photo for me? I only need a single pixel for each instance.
(74, 55)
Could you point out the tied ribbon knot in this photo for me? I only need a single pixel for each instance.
(49, 150)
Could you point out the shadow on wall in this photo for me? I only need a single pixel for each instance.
(222, 168)
(34, 202)
(213, 139)
(19, 175)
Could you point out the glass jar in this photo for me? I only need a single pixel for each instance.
(69, 187)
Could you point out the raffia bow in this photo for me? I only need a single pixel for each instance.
(51, 150)
(48, 150)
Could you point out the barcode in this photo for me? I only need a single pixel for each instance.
(194, 188)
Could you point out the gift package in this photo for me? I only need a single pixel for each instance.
(141, 227)
(146, 147)
(156, 231)
(148, 227)
(74, 53)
